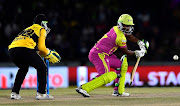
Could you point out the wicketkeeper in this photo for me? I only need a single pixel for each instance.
(27, 49)
(101, 55)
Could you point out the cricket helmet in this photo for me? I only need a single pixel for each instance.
(42, 20)
(127, 20)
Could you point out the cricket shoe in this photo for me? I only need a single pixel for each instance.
(115, 93)
(14, 95)
(40, 96)
(82, 92)
(124, 94)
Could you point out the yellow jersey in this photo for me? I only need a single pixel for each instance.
(27, 38)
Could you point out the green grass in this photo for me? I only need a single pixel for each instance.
(101, 96)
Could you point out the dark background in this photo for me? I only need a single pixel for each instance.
(76, 25)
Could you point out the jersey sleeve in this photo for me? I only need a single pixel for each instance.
(120, 39)
(122, 43)
(41, 42)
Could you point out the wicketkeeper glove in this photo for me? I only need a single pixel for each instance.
(143, 45)
(53, 57)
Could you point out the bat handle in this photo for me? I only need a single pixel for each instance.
(130, 82)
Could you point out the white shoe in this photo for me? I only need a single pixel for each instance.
(40, 96)
(14, 95)
(82, 92)
(124, 94)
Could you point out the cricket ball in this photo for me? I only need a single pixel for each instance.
(175, 57)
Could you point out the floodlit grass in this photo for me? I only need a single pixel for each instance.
(100, 96)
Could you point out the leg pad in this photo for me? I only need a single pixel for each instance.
(99, 81)
(124, 68)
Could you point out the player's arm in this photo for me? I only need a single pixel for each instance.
(121, 42)
(126, 51)
(123, 47)
(43, 51)
(132, 38)
(138, 53)
(142, 44)
(50, 55)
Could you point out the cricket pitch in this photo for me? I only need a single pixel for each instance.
(101, 96)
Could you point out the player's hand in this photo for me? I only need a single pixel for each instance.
(53, 57)
(140, 53)
(143, 45)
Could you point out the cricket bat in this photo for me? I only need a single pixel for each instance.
(134, 70)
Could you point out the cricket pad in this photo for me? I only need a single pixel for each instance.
(99, 81)
(124, 68)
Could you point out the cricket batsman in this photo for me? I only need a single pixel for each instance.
(27, 49)
(101, 55)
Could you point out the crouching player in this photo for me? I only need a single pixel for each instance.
(27, 49)
(101, 55)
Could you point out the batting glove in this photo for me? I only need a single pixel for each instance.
(143, 45)
(140, 53)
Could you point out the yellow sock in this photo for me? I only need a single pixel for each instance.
(99, 81)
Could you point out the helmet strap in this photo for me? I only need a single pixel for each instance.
(44, 25)
(124, 30)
